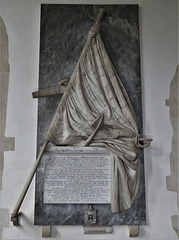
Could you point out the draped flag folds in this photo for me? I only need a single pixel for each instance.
(94, 92)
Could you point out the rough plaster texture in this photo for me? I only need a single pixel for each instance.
(4, 219)
(6, 144)
(175, 223)
(172, 180)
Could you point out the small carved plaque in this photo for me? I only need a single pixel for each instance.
(90, 215)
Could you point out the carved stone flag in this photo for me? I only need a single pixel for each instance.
(95, 94)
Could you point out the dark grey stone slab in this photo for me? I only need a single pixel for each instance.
(64, 30)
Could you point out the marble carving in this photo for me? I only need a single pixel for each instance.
(95, 96)
(60, 58)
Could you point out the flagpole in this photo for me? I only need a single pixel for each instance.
(99, 17)
(15, 215)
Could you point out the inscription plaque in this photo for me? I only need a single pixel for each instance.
(77, 175)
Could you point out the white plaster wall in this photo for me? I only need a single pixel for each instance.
(159, 56)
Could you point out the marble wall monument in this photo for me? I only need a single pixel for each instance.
(64, 30)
